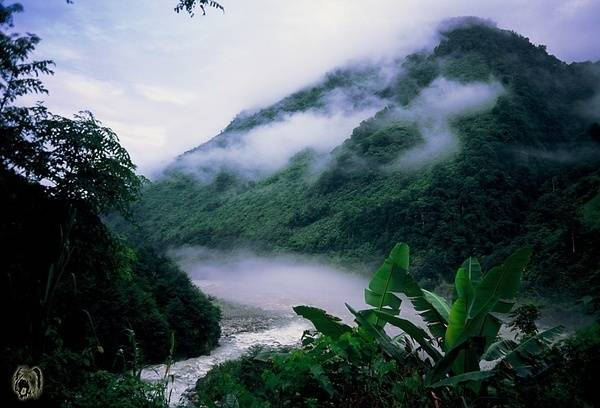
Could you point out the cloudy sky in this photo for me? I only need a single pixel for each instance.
(166, 82)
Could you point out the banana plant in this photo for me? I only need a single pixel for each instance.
(473, 323)
(458, 335)
(463, 330)
(391, 280)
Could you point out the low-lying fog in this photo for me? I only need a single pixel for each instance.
(273, 283)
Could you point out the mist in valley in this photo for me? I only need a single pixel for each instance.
(272, 283)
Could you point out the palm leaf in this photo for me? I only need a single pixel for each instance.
(416, 333)
(384, 341)
(500, 282)
(325, 323)
(386, 280)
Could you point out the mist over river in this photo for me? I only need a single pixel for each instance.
(273, 283)
(256, 295)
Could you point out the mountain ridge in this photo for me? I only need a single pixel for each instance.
(497, 190)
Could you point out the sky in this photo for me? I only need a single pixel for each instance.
(166, 82)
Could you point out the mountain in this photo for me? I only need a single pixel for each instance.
(482, 145)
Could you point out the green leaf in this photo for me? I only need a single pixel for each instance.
(459, 311)
(416, 333)
(387, 277)
(438, 303)
(426, 309)
(490, 329)
(457, 379)
(466, 351)
(503, 306)
(499, 349)
(386, 280)
(389, 299)
(501, 282)
(319, 374)
(473, 268)
(384, 341)
(443, 365)
(325, 323)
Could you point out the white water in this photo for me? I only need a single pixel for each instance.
(185, 373)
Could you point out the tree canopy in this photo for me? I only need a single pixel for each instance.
(76, 159)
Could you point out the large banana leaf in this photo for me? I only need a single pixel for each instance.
(386, 281)
(393, 277)
(473, 268)
(490, 329)
(500, 282)
(444, 364)
(503, 306)
(324, 323)
(458, 312)
(424, 305)
(386, 343)
(416, 333)
(438, 303)
(466, 349)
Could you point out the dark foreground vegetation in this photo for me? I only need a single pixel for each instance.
(75, 300)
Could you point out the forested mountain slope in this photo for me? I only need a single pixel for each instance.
(480, 146)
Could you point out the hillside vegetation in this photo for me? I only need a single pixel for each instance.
(523, 171)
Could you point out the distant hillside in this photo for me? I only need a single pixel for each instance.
(483, 145)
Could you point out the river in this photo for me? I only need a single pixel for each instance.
(256, 295)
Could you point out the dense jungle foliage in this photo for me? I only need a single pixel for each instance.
(77, 301)
(526, 173)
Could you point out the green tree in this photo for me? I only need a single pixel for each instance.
(74, 159)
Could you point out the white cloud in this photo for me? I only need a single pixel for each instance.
(89, 88)
(165, 95)
(139, 139)
(255, 53)
(432, 111)
(268, 148)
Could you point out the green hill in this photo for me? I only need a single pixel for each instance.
(523, 169)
